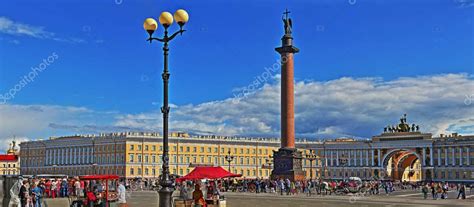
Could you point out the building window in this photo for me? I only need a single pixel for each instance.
(153, 171)
(131, 171)
(139, 171)
(181, 171)
(195, 149)
(132, 147)
(146, 147)
(153, 158)
(146, 171)
(139, 147)
(161, 148)
(181, 149)
(241, 151)
(153, 148)
(139, 159)
(248, 151)
(146, 158)
(187, 149)
(202, 149)
(131, 157)
(187, 159)
(209, 150)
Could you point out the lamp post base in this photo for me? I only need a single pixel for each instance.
(165, 196)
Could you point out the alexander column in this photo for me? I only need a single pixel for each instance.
(287, 160)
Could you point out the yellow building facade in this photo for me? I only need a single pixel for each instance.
(10, 162)
(134, 155)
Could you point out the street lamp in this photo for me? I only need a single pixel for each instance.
(343, 161)
(311, 156)
(150, 25)
(229, 159)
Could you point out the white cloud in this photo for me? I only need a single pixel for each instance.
(8, 26)
(345, 107)
(342, 107)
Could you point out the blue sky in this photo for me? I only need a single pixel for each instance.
(104, 64)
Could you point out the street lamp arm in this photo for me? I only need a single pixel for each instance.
(180, 32)
(166, 38)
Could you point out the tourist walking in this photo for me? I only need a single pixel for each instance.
(425, 191)
(121, 191)
(462, 192)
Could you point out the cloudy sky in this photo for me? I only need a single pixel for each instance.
(68, 68)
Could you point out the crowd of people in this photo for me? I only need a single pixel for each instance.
(325, 187)
(31, 192)
(440, 190)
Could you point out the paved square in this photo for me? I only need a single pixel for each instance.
(398, 198)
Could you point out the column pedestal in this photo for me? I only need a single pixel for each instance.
(287, 163)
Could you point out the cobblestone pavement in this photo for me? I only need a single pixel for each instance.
(400, 198)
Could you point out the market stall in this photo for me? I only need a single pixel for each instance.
(208, 173)
(108, 197)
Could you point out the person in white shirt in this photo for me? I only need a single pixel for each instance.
(121, 195)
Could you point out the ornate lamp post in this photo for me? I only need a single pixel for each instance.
(343, 162)
(229, 159)
(150, 25)
(311, 156)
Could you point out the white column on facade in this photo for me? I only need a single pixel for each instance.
(361, 157)
(79, 158)
(331, 158)
(439, 156)
(468, 156)
(453, 153)
(355, 157)
(366, 157)
(53, 156)
(73, 156)
(431, 156)
(63, 156)
(460, 156)
(337, 158)
(423, 162)
(56, 156)
(446, 160)
(379, 153)
(68, 161)
(89, 155)
(349, 157)
(325, 158)
(46, 151)
(373, 157)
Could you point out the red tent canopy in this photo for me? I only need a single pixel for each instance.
(207, 173)
(99, 177)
